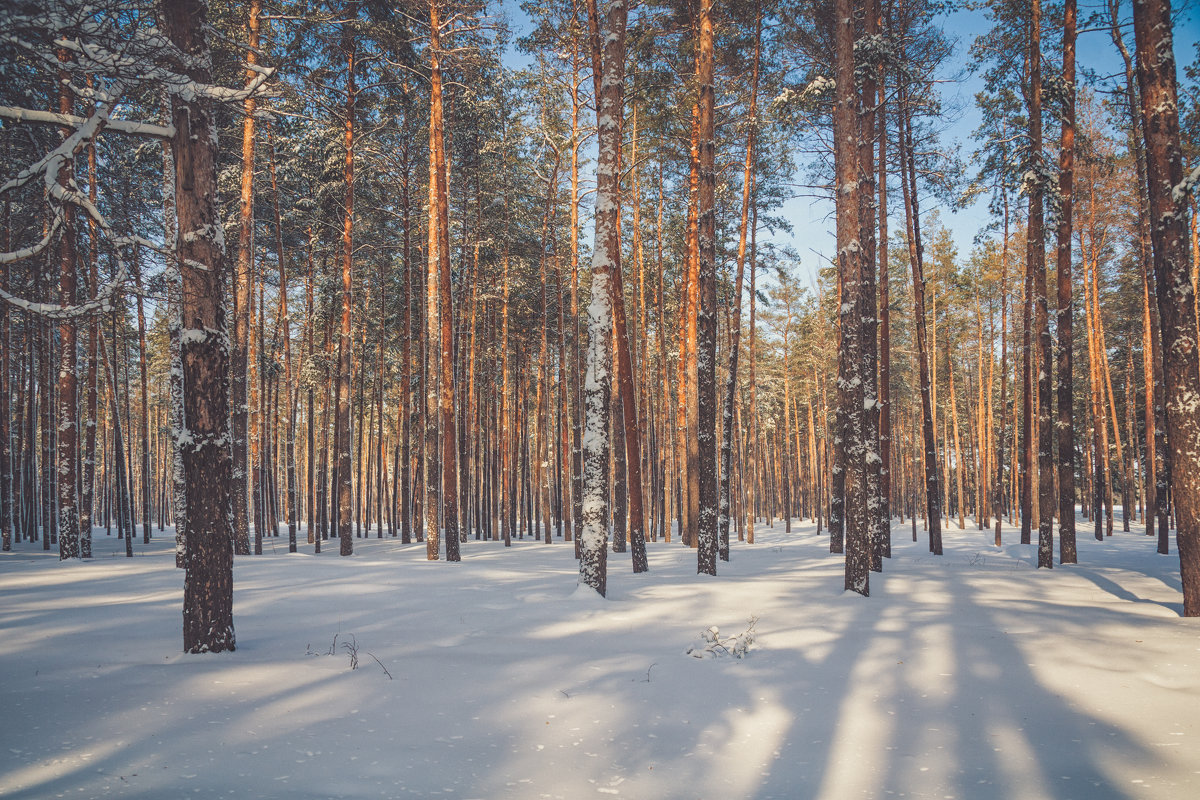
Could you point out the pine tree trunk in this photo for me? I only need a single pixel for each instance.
(983, 417)
(785, 460)
(444, 319)
(706, 316)
(1025, 467)
(735, 324)
(208, 582)
(67, 413)
(1001, 439)
(1157, 454)
(752, 447)
(46, 412)
(631, 427)
(310, 478)
(1099, 424)
(885, 336)
(668, 431)
(1176, 301)
(877, 523)
(850, 262)
(959, 461)
(342, 433)
(1036, 267)
(285, 333)
(8, 486)
(242, 302)
(408, 399)
(432, 337)
(608, 65)
(1066, 433)
(145, 392)
(507, 512)
(916, 257)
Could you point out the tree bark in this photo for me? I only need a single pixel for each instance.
(290, 392)
(706, 317)
(878, 527)
(608, 63)
(850, 269)
(444, 317)
(916, 258)
(67, 416)
(345, 495)
(1066, 401)
(1157, 455)
(242, 301)
(207, 463)
(735, 323)
(1036, 267)
(885, 336)
(1176, 300)
(998, 488)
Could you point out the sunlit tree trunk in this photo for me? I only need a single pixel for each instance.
(959, 461)
(1176, 302)
(242, 301)
(735, 322)
(443, 318)
(1157, 454)
(342, 438)
(1066, 398)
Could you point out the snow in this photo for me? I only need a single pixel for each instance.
(970, 675)
(1180, 191)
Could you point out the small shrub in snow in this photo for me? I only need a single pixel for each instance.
(351, 649)
(713, 645)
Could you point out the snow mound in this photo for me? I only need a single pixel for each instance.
(713, 645)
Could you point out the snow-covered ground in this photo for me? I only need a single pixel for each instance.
(972, 675)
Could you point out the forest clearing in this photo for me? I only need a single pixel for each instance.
(974, 675)
(754, 398)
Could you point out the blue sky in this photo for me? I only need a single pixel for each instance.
(812, 235)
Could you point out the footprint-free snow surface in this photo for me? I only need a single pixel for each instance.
(971, 675)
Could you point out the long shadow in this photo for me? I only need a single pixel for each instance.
(847, 697)
(958, 734)
(1122, 593)
(750, 727)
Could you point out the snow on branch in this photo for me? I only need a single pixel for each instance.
(1185, 187)
(118, 45)
(71, 121)
(49, 168)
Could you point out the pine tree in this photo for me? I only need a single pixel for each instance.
(1168, 191)
(608, 60)
(207, 460)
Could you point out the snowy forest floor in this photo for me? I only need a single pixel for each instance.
(972, 675)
